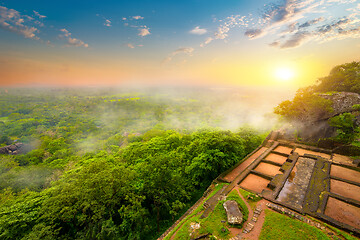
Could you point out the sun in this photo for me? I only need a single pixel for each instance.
(284, 74)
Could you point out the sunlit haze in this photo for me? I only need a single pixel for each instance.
(284, 74)
(188, 43)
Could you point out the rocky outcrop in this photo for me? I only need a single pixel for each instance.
(11, 149)
(341, 102)
(316, 128)
(233, 212)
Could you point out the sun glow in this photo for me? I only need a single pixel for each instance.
(284, 74)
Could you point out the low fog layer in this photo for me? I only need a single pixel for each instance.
(117, 113)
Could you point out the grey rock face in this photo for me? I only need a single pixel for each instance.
(233, 212)
(341, 102)
(317, 127)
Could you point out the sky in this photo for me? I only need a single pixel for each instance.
(170, 43)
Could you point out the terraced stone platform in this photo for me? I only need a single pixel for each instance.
(306, 179)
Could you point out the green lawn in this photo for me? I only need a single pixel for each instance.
(252, 198)
(278, 226)
(339, 232)
(213, 223)
(183, 226)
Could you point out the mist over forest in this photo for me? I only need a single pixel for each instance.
(106, 112)
(117, 117)
(150, 152)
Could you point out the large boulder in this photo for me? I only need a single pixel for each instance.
(233, 212)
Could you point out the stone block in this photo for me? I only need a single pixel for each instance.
(234, 215)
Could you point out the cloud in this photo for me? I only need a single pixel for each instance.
(221, 32)
(198, 31)
(66, 33)
(137, 17)
(274, 44)
(226, 25)
(295, 26)
(338, 29)
(107, 23)
(342, 1)
(12, 21)
(229, 23)
(278, 15)
(311, 22)
(39, 23)
(293, 23)
(254, 33)
(144, 31)
(207, 41)
(72, 41)
(185, 50)
(130, 45)
(39, 15)
(290, 28)
(295, 40)
(342, 29)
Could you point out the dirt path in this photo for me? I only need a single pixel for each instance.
(255, 233)
(236, 231)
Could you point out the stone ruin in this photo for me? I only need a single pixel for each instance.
(234, 215)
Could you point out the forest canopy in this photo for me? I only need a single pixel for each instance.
(342, 78)
(108, 166)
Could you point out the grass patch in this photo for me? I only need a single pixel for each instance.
(251, 198)
(213, 223)
(339, 232)
(184, 225)
(233, 195)
(278, 226)
(217, 188)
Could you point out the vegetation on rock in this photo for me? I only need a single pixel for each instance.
(347, 130)
(342, 78)
(310, 106)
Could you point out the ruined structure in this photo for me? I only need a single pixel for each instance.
(298, 180)
(309, 180)
(234, 216)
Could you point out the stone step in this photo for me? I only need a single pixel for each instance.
(237, 237)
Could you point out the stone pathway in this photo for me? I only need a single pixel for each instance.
(237, 237)
(252, 227)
